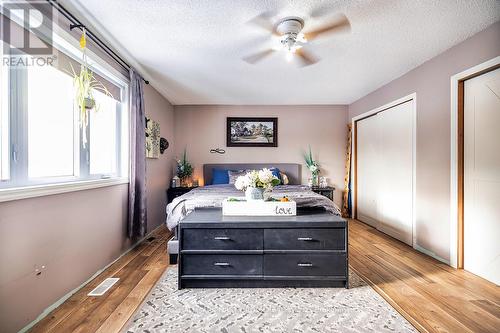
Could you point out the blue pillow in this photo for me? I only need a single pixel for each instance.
(276, 172)
(220, 176)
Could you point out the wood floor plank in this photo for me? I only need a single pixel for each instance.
(435, 295)
(122, 314)
(68, 309)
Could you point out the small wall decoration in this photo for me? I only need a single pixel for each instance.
(163, 145)
(252, 132)
(152, 138)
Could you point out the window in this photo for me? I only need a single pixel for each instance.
(40, 135)
(4, 120)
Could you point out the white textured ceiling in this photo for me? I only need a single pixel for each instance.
(192, 49)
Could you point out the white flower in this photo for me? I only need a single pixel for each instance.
(313, 168)
(241, 183)
(265, 176)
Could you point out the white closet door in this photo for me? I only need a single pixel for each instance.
(482, 176)
(395, 188)
(367, 170)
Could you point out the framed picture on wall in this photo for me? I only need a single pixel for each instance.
(251, 132)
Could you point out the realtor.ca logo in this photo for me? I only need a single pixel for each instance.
(26, 33)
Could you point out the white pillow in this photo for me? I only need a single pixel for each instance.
(284, 179)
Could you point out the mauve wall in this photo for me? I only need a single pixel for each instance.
(73, 234)
(431, 82)
(200, 128)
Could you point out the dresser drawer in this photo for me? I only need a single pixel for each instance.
(304, 239)
(222, 239)
(215, 264)
(304, 264)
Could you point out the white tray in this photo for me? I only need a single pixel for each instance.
(258, 208)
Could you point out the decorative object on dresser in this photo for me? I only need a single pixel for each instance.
(251, 132)
(307, 250)
(184, 169)
(313, 166)
(256, 184)
(174, 192)
(325, 191)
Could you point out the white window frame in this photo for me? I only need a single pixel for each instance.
(66, 43)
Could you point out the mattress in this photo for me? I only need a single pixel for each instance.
(212, 196)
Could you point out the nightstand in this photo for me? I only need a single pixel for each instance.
(326, 191)
(175, 192)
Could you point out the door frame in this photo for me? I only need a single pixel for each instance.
(457, 158)
(354, 149)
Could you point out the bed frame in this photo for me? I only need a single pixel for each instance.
(292, 170)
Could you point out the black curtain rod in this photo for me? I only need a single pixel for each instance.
(75, 23)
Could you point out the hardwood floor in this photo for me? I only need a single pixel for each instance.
(432, 296)
(138, 270)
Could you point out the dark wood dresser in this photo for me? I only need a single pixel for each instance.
(307, 250)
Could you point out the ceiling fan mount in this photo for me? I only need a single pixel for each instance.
(289, 29)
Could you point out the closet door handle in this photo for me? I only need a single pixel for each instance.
(304, 239)
(222, 238)
(222, 264)
(304, 264)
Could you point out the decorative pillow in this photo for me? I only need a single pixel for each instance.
(276, 172)
(220, 176)
(234, 174)
(284, 179)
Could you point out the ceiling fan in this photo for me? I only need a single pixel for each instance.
(291, 38)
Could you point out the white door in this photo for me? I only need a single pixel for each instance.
(367, 170)
(482, 176)
(395, 180)
(384, 175)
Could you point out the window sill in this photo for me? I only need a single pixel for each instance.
(17, 193)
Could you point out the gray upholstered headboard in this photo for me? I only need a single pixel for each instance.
(292, 170)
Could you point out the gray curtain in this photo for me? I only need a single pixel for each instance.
(137, 216)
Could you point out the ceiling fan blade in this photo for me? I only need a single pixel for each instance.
(306, 58)
(256, 57)
(339, 24)
(264, 20)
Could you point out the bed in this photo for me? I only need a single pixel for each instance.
(211, 196)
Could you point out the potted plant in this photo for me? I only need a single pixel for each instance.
(85, 84)
(184, 169)
(256, 183)
(313, 166)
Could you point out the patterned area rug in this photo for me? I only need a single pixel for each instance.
(358, 309)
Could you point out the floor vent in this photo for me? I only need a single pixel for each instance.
(103, 287)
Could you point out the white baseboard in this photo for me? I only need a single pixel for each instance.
(60, 301)
(430, 254)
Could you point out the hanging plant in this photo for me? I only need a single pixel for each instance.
(85, 83)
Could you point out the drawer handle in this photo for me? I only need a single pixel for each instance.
(221, 264)
(222, 238)
(304, 264)
(304, 239)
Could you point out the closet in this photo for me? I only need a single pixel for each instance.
(384, 171)
(482, 176)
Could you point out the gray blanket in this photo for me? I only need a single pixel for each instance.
(213, 195)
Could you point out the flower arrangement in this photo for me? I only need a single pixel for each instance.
(184, 168)
(313, 166)
(254, 183)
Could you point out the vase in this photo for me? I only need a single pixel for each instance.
(315, 180)
(254, 193)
